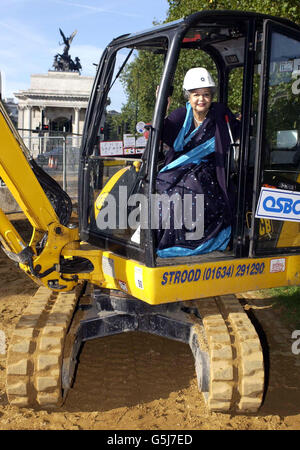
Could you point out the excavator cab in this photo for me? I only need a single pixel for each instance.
(255, 60)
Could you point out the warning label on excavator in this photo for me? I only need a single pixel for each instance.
(123, 285)
(277, 265)
(108, 266)
(138, 277)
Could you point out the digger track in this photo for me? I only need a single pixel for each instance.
(35, 354)
(236, 358)
(43, 338)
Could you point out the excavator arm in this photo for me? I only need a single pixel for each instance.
(41, 257)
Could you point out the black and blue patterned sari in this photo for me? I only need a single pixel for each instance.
(195, 168)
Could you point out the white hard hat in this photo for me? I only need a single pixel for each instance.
(197, 78)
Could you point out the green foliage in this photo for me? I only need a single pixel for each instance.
(140, 80)
(289, 9)
(287, 301)
(111, 128)
(235, 89)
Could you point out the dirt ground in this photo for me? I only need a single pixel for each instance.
(137, 381)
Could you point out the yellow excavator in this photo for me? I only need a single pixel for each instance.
(101, 275)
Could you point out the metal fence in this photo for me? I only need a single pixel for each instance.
(59, 157)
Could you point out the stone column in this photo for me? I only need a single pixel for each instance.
(76, 126)
(41, 108)
(29, 126)
(41, 138)
(21, 120)
(77, 111)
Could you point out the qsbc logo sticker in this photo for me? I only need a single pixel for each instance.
(278, 204)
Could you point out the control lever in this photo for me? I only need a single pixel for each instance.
(234, 150)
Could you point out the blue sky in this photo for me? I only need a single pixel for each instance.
(29, 32)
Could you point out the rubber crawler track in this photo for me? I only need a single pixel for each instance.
(41, 341)
(34, 360)
(236, 357)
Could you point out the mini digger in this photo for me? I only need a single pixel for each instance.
(99, 275)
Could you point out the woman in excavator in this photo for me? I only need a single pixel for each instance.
(198, 136)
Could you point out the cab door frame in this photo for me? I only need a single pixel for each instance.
(269, 27)
(240, 243)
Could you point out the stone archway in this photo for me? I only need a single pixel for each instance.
(61, 124)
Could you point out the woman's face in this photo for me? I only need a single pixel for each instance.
(200, 100)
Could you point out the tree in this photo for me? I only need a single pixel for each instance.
(140, 80)
(286, 8)
(141, 77)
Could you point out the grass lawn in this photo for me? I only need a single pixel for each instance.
(287, 299)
